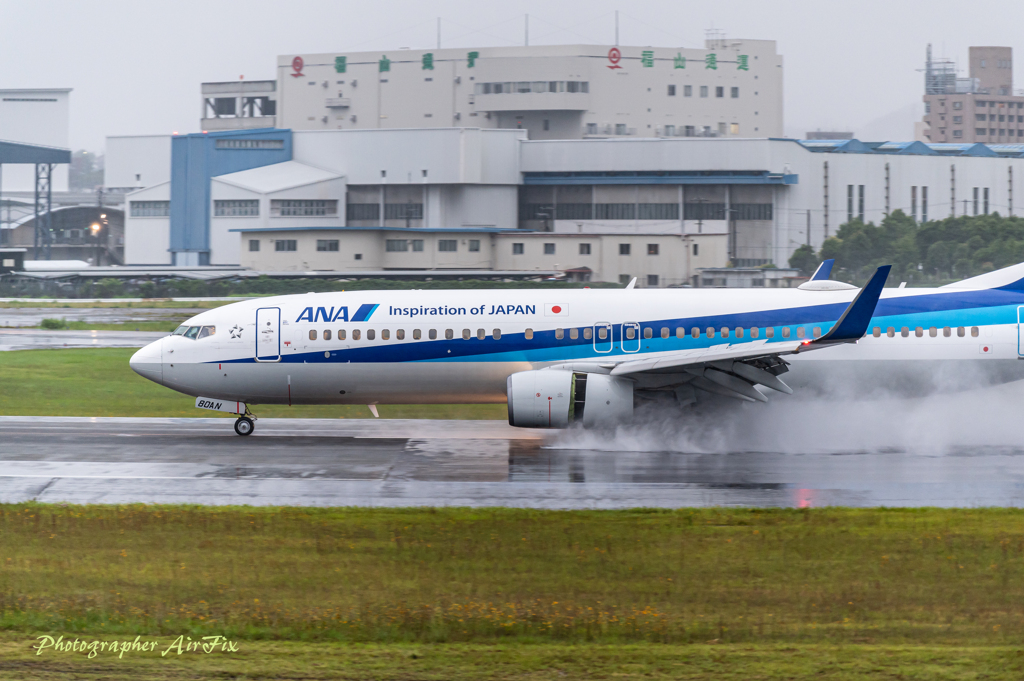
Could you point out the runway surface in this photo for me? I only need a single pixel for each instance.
(21, 317)
(42, 339)
(465, 463)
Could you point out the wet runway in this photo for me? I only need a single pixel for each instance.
(42, 339)
(468, 463)
(20, 317)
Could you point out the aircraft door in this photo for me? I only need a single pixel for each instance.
(268, 334)
(1020, 331)
(602, 337)
(631, 337)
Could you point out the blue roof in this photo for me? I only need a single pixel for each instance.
(853, 146)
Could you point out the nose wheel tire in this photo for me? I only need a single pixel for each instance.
(244, 426)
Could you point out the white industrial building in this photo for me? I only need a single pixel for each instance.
(34, 116)
(598, 209)
(728, 88)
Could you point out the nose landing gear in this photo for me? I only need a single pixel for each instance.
(244, 425)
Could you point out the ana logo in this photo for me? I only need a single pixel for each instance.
(235, 331)
(328, 314)
(614, 56)
(297, 65)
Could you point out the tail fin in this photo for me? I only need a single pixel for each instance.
(824, 269)
(1009, 278)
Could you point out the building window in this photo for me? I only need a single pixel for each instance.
(247, 144)
(687, 91)
(624, 278)
(396, 245)
(150, 209)
(979, 131)
(591, 128)
(285, 245)
(327, 245)
(303, 207)
(974, 203)
(980, 117)
(985, 201)
(254, 245)
(447, 245)
(549, 249)
(958, 119)
(849, 203)
(403, 211)
(358, 256)
(860, 202)
(958, 134)
(474, 245)
(623, 249)
(652, 249)
(615, 211)
(671, 90)
(670, 131)
(363, 211)
(958, 105)
(913, 203)
(734, 92)
(417, 245)
(719, 92)
(620, 128)
(752, 211)
(248, 207)
(696, 249)
(924, 204)
(703, 90)
(652, 280)
(517, 249)
(584, 249)
(734, 128)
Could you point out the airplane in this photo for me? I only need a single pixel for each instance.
(588, 356)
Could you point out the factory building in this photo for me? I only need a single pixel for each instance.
(659, 209)
(729, 88)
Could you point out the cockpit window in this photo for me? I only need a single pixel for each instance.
(192, 332)
(180, 330)
(207, 331)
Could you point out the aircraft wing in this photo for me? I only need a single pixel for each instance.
(734, 369)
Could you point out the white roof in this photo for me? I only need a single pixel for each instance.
(49, 265)
(278, 177)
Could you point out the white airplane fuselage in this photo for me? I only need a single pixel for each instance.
(460, 346)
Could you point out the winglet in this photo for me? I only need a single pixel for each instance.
(824, 270)
(631, 284)
(852, 326)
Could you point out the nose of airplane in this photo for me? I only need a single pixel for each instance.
(148, 362)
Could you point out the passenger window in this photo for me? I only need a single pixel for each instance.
(180, 331)
(648, 332)
(466, 334)
(876, 332)
(433, 334)
(385, 334)
(416, 335)
(588, 333)
(801, 332)
(785, 332)
(481, 334)
(192, 332)
(769, 332)
(695, 332)
(449, 334)
(919, 332)
(356, 333)
(725, 332)
(207, 331)
(370, 334)
(754, 332)
(327, 334)
(574, 334)
(400, 334)
(933, 332)
(341, 334)
(602, 333)
(710, 332)
(528, 334)
(974, 332)
(947, 332)
(664, 332)
(904, 331)
(680, 332)
(312, 334)
(739, 332)
(630, 333)
(890, 332)
(559, 334)
(496, 334)
(816, 332)
(960, 331)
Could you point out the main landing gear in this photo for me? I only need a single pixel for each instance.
(244, 425)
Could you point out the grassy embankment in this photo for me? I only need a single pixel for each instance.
(99, 382)
(455, 593)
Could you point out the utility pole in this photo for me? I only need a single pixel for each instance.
(808, 227)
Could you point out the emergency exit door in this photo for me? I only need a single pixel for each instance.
(268, 334)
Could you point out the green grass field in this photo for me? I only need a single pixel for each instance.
(502, 593)
(99, 382)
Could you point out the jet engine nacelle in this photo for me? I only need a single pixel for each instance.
(555, 399)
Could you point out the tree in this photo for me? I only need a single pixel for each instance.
(805, 260)
(86, 173)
